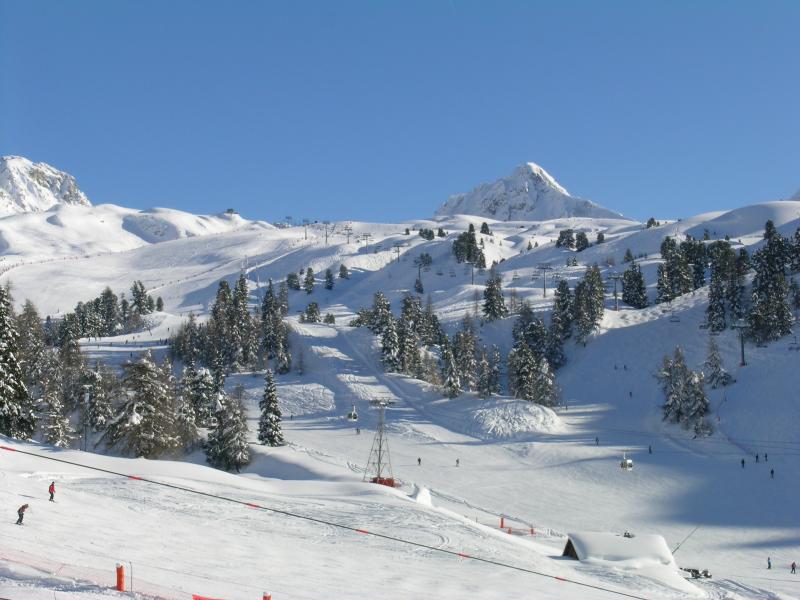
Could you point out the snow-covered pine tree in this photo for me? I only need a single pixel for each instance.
(380, 315)
(390, 347)
(734, 294)
(663, 285)
(634, 291)
(269, 424)
(56, 429)
(673, 376)
(343, 272)
(308, 282)
(696, 406)
(410, 362)
(328, 279)
(495, 364)
(494, 306)
(628, 257)
(716, 376)
(770, 316)
(484, 375)
(186, 431)
(715, 311)
(143, 426)
(562, 307)
(17, 412)
(581, 241)
(31, 345)
(197, 385)
(451, 380)
(464, 354)
(102, 385)
(555, 344)
(312, 314)
(547, 392)
(227, 446)
(283, 354)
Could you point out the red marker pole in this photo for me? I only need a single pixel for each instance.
(120, 578)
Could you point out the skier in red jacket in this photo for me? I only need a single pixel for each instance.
(52, 490)
(21, 513)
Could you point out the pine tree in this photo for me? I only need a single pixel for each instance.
(269, 424)
(328, 279)
(227, 446)
(102, 385)
(634, 291)
(312, 314)
(484, 375)
(390, 347)
(17, 414)
(451, 381)
(186, 431)
(56, 429)
(770, 315)
(410, 362)
(308, 282)
(628, 256)
(31, 346)
(686, 402)
(717, 375)
(581, 241)
(663, 285)
(198, 387)
(494, 306)
(563, 309)
(380, 315)
(715, 311)
(495, 365)
(144, 424)
(343, 272)
(589, 303)
(555, 345)
(466, 363)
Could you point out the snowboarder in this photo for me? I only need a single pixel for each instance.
(772, 473)
(743, 463)
(21, 513)
(419, 462)
(52, 490)
(794, 568)
(457, 462)
(769, 563)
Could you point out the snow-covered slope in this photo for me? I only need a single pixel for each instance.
(26, 186)
(529, 194)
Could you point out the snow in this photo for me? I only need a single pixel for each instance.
(529, 193)
(538, 468)
(34, 187)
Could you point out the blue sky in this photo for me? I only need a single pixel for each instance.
(380, 110)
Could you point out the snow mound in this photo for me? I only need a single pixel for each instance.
(748, 221)
(421, 495)
(529, 193)
(505, 419)
(26, 187)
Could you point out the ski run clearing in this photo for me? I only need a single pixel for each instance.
(544, 472)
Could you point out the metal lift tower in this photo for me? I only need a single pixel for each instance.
(379, 465)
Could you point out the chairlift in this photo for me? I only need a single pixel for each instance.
(674, 318)
(514, 277)
(352, 415)
(439, 272)
(626, 464)
(794, 346)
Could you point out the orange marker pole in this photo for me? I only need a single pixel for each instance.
(120, 578)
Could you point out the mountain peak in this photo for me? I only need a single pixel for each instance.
(26, 186)
(530, 193)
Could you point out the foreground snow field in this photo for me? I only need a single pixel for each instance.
(544, 471)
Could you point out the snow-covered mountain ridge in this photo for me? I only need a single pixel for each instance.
(26, 187)
(529, 194)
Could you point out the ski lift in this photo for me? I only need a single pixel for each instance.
(452, 272)
(514, 277)
(626, 464)
(794, 346)
(439, 272)
(674, 318)
(352, 415)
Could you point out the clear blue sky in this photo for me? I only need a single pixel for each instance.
(380, 110)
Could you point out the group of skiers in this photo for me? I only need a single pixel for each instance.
(766, 459)
(792, 567)
(21, 510)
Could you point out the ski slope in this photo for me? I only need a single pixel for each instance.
(536, 467)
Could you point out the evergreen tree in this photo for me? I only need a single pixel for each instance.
(56, 429)
(663, 285)
(601, 237)
(494, 306)
(31, 345)
(380, 315)
(312, 314)
(686, 402)
(715, 311)
(343, 272)
(227, 446)
(283, 355)
(409, 357)
(328, 279)
(770, 315)
(555, 344)
(144, 424)
(308, 282)
(293, 281)
(634, 291)
(390, 347)
(628, 256)
(198, 387)
(717, 375)
(418, 286)
(581, 241)
(451, 381)
(17, 415)
(566, 239)
(484, 375)
(563, 309)
(589, 303)
(269, 424)
(485, 229)
(186, 431)
(466, 363)
(102, 385)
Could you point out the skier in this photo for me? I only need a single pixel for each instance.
(21, 513)
(419, 462)
(358, 430)
(597, 441)
(794, 568)
(772, 473)
(630, 394)
(649, 449)
(769, 563)
(624, 367)
(457, 462)
(766, 457)
(743, 463)
(52, 490)
(756, 458)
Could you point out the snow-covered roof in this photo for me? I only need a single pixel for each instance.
(636, 552)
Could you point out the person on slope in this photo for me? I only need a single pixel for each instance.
(743, 463)
(21, 513)
(794, 567)
(769, 563)
(52, 490)
(419, 462)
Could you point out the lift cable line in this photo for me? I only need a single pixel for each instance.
(319, 521)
